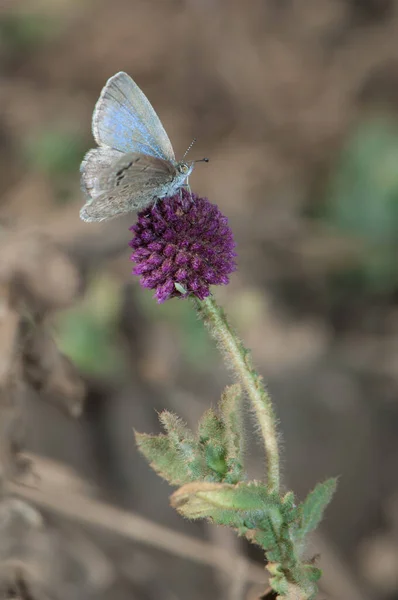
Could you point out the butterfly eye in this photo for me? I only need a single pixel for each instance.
(183, 168)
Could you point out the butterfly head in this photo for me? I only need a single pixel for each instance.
(185, 168)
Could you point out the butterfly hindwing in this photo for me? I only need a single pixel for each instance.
(130, 183)
(95, 163)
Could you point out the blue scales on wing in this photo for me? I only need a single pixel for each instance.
(125, 120)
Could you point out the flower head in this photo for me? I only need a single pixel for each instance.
(181, 246)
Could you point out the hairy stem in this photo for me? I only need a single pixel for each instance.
(239, 358)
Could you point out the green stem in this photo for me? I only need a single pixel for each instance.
(240, 360)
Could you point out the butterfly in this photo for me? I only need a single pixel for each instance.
(134, 164)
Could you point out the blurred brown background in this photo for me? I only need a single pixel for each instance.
(296, 104)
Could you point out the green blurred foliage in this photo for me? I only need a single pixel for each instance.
(87, 333)
(362, 203)
(196, 346)
(56, 153)
(21, 32)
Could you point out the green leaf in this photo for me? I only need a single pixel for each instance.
(244, 497)
(212, 439)
(184, 444)
(163, 458)
(289, 509)
(312, 573)
(280, 585)
(278, 580)
(231, 415)
(268, 540)
(244, 506)
(175, 427)
(215, 461)
(211, 428)
(314, 505)
(191, 499)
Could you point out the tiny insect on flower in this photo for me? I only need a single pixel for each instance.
(182, 246)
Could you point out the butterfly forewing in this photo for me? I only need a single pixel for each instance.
(124, 120)
(132, 182)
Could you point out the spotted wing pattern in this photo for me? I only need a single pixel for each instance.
(96, 161)
(130, 183)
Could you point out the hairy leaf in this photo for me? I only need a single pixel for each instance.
(313, 573)
(244, 507)
(190, 500)
(215, 460)
(185, 445)
(243, 496)
(314, 505)
(175, 427)
(289, 509)
(211, 438)
(230, 406)
(211, 429)
(278, 580)
(163, 458)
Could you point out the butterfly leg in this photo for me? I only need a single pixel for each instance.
(188, 187)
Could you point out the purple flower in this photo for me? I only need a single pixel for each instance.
(181, 246)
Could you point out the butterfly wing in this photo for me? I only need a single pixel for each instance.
(96, 162)
(129, 183)
(124, 120)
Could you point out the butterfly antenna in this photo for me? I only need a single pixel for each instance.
(189, 147)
